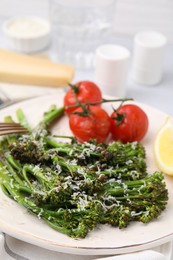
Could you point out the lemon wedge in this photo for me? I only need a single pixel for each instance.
(163, 147)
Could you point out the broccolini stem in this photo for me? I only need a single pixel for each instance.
(58, 227)
(147, 188)
(52, 114)
(22, 119)
(14, 163)
(28, 168)
(53, 143)
(15, 174)
(10, 138)
(8, 119)
(67, 147)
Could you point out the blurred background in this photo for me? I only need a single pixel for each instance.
(131, 16)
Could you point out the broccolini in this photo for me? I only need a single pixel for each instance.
(74, 187)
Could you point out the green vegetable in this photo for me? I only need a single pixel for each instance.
(73, 186)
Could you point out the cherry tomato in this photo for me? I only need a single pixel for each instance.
(95, 125)
(129, 123)
(83, 91)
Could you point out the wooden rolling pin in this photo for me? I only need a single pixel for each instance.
(24, 69)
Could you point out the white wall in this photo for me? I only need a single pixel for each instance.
(135, 15)
(131, 15)
(18, 7)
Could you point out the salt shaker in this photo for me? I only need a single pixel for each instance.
(112, 69)
(148, 57)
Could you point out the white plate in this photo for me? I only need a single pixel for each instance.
(104, 240)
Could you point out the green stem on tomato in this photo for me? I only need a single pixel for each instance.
(74, 88)
(99, 102)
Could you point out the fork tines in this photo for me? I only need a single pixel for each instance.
(11, 128)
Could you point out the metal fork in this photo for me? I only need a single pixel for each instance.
(11, 128)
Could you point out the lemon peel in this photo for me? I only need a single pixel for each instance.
(163, 147)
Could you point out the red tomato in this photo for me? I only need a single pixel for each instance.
(96, 125)
(83, 91)
(129, 123)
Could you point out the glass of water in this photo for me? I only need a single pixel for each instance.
(78, 28)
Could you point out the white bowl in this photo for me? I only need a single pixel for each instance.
(27, 33)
